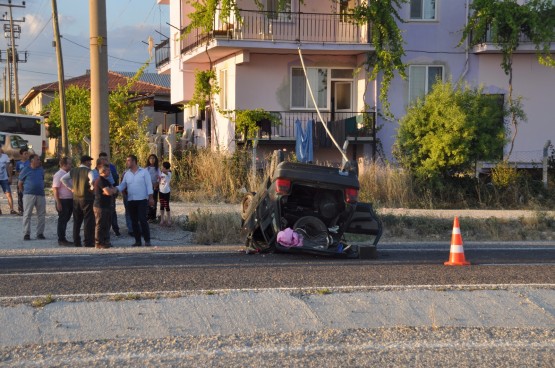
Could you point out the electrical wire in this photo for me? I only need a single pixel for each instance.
(324, 123)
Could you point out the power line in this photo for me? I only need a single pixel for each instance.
(113, 57)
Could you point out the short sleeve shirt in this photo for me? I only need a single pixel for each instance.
(63, 191)
(4, 163)
(165, 182)
(100, 199)
(33, 180)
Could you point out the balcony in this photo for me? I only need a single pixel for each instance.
(162, 53)
(352, 126)
(277, 30)
(486, 45)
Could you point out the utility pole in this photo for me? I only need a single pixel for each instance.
(61, 79)
(100, 127)
(14, 59)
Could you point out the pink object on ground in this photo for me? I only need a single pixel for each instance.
(289, 238)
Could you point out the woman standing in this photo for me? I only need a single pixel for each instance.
(154, 171)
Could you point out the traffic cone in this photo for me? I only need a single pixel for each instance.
(456, 255)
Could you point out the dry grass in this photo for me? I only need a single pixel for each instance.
(215, 228)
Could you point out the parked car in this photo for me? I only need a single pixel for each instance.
(11, 144)
(316, 203)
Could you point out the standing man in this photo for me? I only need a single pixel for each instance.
(19, 166)
(103, 192)
(114, 180)
(64, 200)
(80, 180)
(6, 179)
(139, 196)
(31, 183)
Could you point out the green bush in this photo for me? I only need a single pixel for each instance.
(447, 132)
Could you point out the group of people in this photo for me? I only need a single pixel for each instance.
(89, 195)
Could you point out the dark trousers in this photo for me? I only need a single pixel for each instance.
(19, 201)
(83, 213)
(114, 215)
(152, 209)
(137, 210)
(63, 218)
(103, 217)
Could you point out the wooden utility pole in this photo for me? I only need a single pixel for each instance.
(14, 59)
(61, 79)
(100, 127)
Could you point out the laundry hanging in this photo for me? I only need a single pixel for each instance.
(304, 147)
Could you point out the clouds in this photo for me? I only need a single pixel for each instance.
(129, 23)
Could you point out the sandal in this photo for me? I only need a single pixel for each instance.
(12, 212)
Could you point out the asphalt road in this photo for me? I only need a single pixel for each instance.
(228, 268)
(220, 307)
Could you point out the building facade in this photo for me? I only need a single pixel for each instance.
(257, 58)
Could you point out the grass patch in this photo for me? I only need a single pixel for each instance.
(42, 302)
(325, 291)
(124, 297)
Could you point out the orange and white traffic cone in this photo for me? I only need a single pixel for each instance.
(456, 255)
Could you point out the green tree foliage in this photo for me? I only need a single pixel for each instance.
(449, 130)
(127, 125)
(504, 23)
(78, 111)
(381, 18)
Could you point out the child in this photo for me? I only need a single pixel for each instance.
(165, 178)
(154, 171)
(102, 207)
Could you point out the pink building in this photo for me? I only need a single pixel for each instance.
(255, 55)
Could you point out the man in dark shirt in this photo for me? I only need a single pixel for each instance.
(103, 192)
(31, 183)
(79, 180)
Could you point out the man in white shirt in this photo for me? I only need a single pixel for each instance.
(64, 201)
(139, 196)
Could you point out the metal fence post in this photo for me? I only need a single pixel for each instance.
(545, 162)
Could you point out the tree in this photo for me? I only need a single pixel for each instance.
(449, 130)
(78, 102)
(127, 126)
(505, 22)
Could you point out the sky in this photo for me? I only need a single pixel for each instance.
(129, 23)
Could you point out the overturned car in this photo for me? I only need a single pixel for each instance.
(310, 208)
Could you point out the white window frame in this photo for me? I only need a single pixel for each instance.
(424, 5)
(308, 100)
(427, 86)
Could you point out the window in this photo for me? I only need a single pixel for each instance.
(422, 78)
(324, 87)
(345, 8)
(223, 89)
(423, 9)
(272, 6)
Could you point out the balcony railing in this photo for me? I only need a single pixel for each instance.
(281, 27)
(342, 125)
(162, 53)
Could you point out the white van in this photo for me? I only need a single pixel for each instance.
(28, 127)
